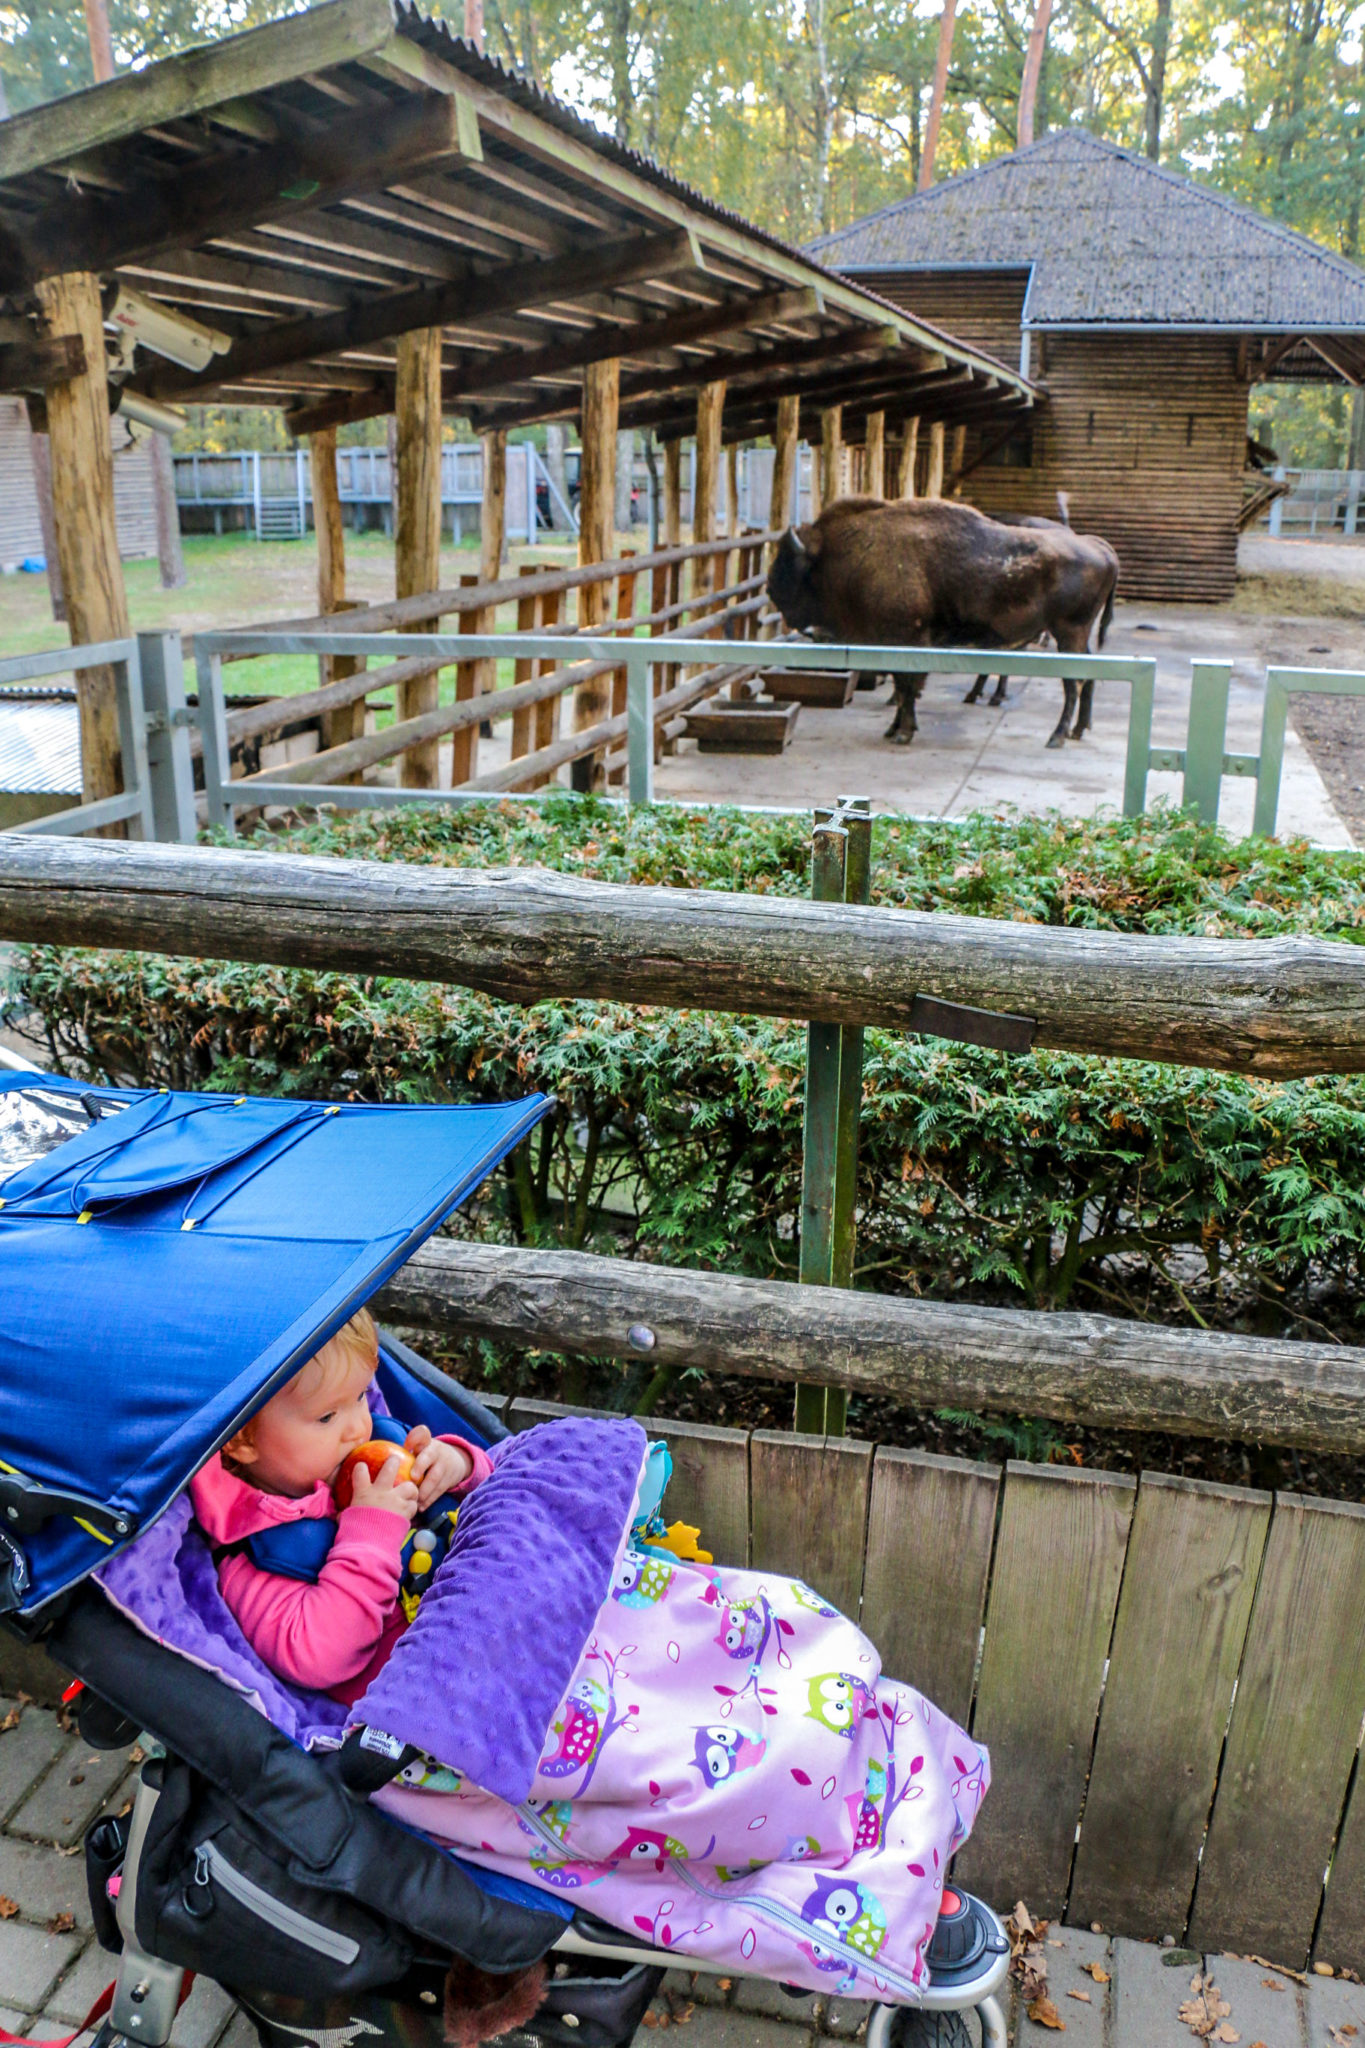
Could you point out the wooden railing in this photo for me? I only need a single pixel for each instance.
(691, 593)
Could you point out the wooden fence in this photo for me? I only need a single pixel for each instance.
(711, 589)
(1169, 1675)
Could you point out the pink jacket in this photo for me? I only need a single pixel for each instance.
(332, 1636)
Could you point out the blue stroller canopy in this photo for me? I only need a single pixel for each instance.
(164, 1270)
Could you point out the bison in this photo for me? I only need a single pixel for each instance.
(928, 572)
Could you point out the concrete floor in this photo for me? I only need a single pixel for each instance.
(969, 757)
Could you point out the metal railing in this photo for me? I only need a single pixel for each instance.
(134, 806)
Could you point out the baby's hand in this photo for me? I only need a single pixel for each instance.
(438, 1468)
(386, 1490)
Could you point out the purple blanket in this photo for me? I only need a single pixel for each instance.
(505, 1619)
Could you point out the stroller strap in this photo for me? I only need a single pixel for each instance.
(92, 2018)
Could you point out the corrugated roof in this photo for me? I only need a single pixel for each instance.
(1112, 239)
(40, 743)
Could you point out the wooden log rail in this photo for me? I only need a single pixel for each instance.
(1088, 1369)
(734, 605)
(1272, 1007)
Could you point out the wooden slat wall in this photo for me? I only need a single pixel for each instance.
(1146, 432)
(1171, 1679)
(21, 531)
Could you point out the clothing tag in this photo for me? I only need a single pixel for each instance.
(375, 1740)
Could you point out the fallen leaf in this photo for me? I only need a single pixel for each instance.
(1323, 1970)
(137, 1754)
(11, 1720)
(76, 1848)
(1021, 1921)
(1203, 2012)
(61, 1923)
(1081, 1997)
(1269, 1984)
(1044, 2013)
(1093, 1970)
(1225, 2033)
(8, 1907)
(1264, 1963)
(1342, 2034)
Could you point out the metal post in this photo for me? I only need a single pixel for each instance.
(1206, 737)
(841, 871)
(1143, 694)
(169, 766)
(132, 727)
(1273, 720)
(639, 726)
(1353, 482)
(213, 732)
(1277, 504)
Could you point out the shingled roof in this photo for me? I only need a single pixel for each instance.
(1112, 240)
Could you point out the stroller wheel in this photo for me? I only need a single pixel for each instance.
(912, 2029)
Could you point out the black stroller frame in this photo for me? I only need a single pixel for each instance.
(599, 1981)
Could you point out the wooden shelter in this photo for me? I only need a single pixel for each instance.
(352, 212)
(1146, 305)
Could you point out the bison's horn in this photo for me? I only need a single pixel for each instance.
(797, 543)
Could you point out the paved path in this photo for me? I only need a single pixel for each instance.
(51, 1969)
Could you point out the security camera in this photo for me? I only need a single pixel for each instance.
(140, 322)
(160, 419)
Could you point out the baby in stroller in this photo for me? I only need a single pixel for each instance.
(579, 1744)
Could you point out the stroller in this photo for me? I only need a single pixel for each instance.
(231, 1237)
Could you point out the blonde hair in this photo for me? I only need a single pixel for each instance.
(355, 1343)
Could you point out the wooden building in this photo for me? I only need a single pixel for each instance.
(21, 526)
(1146, 306)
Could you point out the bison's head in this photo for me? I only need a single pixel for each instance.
(791, 583)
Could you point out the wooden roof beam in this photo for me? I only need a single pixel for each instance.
(194, 83)
(1339, 356)
(379, 319)
(745, 405)
(97, 232)
(269, 282)
(601, 345)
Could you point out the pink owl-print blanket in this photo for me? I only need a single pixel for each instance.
(730, 1774)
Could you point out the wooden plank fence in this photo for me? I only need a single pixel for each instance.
(1169, 1674)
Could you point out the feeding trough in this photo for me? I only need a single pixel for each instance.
(757, 726)
(831, 687)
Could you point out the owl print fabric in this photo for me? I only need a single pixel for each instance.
(730, 1775)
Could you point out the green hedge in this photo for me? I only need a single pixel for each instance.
(1049, 1180)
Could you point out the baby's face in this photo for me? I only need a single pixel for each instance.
(302, 1435)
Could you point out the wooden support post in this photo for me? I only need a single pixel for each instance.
(831, 454)
(464, 755)
(706, 482)
(596, 508)
(732, 521)
(874, 456)
(417, 538)
(957, 458)
(170, 554)
(83, 517)
(786, 439)
(492, 538)
(933, 482)
(905, 487)
(529, 619)
(672, 494)
(347, 721)
(41, 449)
(548, 711)
(841, 865)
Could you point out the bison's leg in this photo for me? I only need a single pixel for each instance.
(1063, 727)
(868, 679)
(1082, 725)
(973, 695)
(1001, 696)
(903, 726)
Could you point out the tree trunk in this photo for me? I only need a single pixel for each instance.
(40, 450)
(786, 448)
(874, 456)
(934, 124)
(170, 554)
(1156, 80)
(417, 533)
(82, 464)
(1278, 1007)
(1033, 71)
(596, 505)
(1091, 1369)
(473, 23)
(101, 45)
